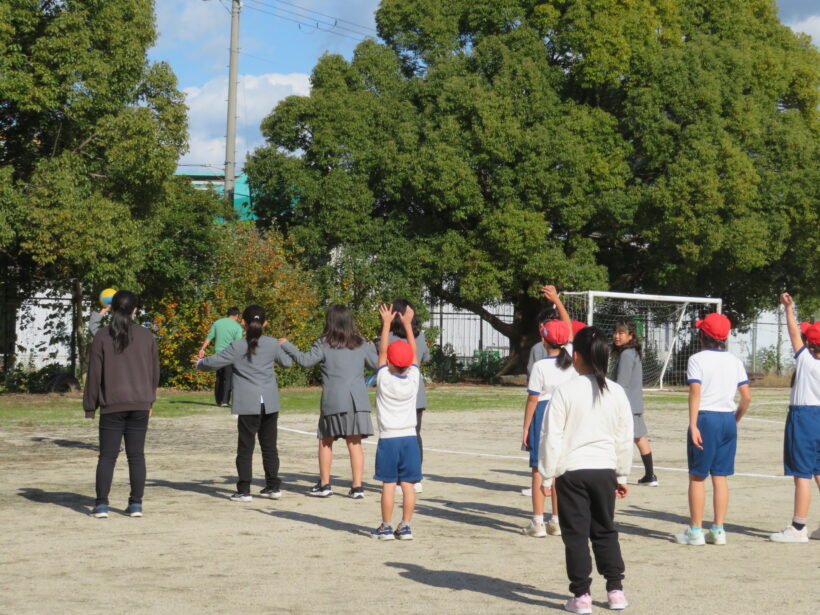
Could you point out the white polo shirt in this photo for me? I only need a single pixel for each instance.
(806, 389)
(546, 376)
(719, 373)
(396, 402)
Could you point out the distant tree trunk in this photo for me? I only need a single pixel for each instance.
(9, 306)
(78, 340)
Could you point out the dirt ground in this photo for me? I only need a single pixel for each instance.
(194, 551)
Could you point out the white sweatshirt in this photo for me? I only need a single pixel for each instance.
(586, 430)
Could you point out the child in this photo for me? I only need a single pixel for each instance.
(345, 405)
(546, 375)
(586, 446)
(801, 447)
(713, 376)
(255, 400)
(123, 375)
(398, 458)
(397, 333)
(629, 374)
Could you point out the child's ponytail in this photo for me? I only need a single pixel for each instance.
(591, 344)
(254, 317)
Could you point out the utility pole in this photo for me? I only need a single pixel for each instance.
(230, 142)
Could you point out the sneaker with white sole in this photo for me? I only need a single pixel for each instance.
(579, 604)
(715, 537)
(535, 530)
(357, 493)
(649, 480)
(617, 600)
(320, 491)
(134, 510)
(689, 537)
(270, 493)
(403, 532)
(100, 511)
(417, 487)
(383, 532)
(241, 497)
(789, 534)
(553, 528)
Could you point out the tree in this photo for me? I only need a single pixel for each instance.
(489, 146)
(90, 134)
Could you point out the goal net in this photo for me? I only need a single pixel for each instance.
(665, 326)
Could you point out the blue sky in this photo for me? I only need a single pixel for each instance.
(280, 42)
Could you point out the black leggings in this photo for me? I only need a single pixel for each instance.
(132, 425)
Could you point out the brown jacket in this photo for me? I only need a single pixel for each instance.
(119, 382)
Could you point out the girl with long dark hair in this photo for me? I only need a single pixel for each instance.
(586, 446)
(345, 406)
(255, 400)
(122, 380)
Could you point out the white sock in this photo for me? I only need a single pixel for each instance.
(554, 518)
(537, 519)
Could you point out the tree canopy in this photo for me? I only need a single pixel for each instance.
(489, 146)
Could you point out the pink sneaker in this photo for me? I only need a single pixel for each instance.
(617, 600)
(579, 604)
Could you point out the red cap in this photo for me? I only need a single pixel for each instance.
(715, 325)
(812, 332)
(555, 332)
(577, 325)
(400, 354)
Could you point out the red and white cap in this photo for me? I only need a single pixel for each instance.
(811, 331)
(715, 325)
(556, 332)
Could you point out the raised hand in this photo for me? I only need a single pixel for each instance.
(407, 317)
(550, 293)
(386, 312)
(786, 300)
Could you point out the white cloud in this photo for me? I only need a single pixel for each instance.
(811, 26)
(208, 107)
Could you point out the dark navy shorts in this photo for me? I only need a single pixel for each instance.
(398, 460)
(535, 431)
(718, 430)
(801, 444)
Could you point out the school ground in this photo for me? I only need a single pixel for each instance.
(194, 551)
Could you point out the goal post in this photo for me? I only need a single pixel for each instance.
(664, 324)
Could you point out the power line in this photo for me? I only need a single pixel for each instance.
(306, 10)
(315, 25)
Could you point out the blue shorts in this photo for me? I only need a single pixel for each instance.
(398, 460)
(801, 445)
(718, 430)
(535, 431)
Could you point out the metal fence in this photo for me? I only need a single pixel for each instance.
(466, 332)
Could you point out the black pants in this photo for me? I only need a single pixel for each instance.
(224, 384)
(133, 426)
(587, 500)
(419, 413)
(251, 426)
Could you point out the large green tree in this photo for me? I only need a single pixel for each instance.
(489, 146)
(90, 134)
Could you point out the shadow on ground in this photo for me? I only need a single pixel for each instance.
(325, 522)
(66, 443)
(73, 501)
(680, 520)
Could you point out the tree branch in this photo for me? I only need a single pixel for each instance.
(491, 319)
(80, 147)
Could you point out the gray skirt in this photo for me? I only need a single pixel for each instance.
(345, 424)
(639, 425)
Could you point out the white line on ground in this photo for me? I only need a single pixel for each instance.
(521, 458)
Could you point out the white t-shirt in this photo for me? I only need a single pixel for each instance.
(546, 376)
(586, 430)
(806, 389)
(719, 373)
(396, 402)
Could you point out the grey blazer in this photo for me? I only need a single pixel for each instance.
(95, 323)
(424, 357)
(343, 387)
(254, 378)
(629, 374)
(537, 352)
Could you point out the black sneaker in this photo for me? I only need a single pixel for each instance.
(650, 480)
(269, 492)
(320, 491)
(357, 493)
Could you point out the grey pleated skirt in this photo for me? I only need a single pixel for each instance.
(345, 424)
(639, 425)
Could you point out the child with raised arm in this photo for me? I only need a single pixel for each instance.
(397, 456)
(714, 376)
(801, 445)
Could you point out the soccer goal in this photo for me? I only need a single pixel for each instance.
(665, 327)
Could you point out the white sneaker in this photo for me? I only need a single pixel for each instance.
(527, 492)
(536, 530)
(789, 534)
(553, 528)
(688, 537)
(417, 487)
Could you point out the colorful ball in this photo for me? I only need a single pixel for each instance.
(106, 296)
